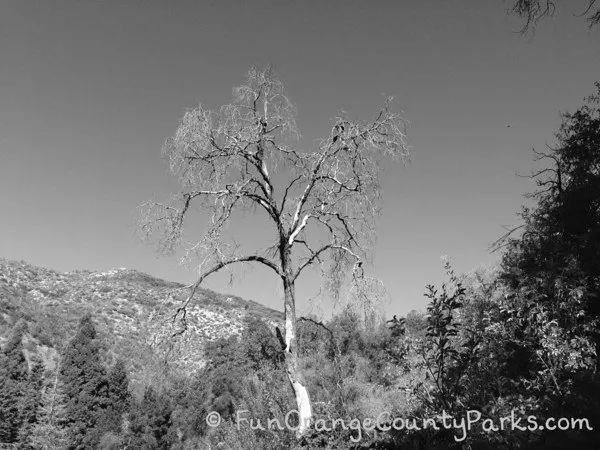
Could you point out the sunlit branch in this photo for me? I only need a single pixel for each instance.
(193, 287)
(316, 254)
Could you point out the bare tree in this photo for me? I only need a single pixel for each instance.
(323, 203)
(533, 11)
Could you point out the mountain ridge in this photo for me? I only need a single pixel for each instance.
(133, 312)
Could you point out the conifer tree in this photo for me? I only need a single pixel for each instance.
(30, 399)
(84, 378)
(13, 377)
(118, 397)
(49, 430)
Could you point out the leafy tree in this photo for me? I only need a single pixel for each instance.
(551, 309)
(191, 397)
(315, 337)
(227, 368)
(150, 422)
(85, 386)
(13, 380)
(321, 203)
(554, 265)
(346, 327)
(260, 345)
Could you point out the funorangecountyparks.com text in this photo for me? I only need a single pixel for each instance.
(385, 422)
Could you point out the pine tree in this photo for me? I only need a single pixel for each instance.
(84, 378)
(13, 378)
(49, 431)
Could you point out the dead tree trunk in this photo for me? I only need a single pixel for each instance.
(291, 349)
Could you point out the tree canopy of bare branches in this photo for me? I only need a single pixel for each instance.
(322, 203)
(533, 11)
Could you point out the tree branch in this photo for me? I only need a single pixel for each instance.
(252, 258)
(316, 255)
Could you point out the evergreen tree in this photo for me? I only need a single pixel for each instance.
(84, 378)
(118, 397)
(30, 399)
(13, 378)
(49, 430)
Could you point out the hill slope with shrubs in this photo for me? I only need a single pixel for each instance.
(132, 310)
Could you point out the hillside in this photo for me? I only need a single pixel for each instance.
(132, 312)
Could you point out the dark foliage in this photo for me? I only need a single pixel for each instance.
(31, 399)
(150, 421)
(553, 272)
(118, 398)
(85, 386)
(13, 383)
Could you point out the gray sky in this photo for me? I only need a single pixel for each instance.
(90, 90)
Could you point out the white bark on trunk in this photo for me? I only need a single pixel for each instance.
(304, 408)
(294, 372)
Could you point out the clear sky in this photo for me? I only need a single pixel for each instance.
(89, 91)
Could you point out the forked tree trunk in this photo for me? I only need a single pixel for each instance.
(291, 349)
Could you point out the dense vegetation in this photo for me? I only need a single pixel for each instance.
(511, 342)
